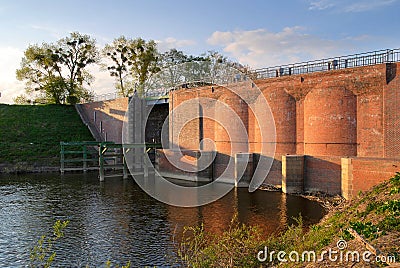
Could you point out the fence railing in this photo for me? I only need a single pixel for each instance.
(104, 156)
(107, 96)
(79, 156)
(335, 63)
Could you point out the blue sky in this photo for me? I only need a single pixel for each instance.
(256, 33)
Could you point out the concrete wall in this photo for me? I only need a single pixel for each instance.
(108, 119)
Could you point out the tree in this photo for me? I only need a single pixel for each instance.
(170, 74)
(173, 57)
(57, 71)
(119, 54)
(72, 56)
(144, 61)
(37, 68)
(179, 69)
(133, 61)
(22, 100)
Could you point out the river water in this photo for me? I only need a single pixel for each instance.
(115, 220)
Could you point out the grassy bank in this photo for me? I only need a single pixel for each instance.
(374, 215)
(30, 135)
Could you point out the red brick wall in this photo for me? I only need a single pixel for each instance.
(185, 122)
(370, 124)
(364, 173)
(300, 126)
(326, 116)
(330, 122)
(391, 96)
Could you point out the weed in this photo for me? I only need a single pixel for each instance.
(391, 206)
(373, 206)
(43, 255)
(368, 230)
(394, 190)
(390, 223)
(395, 180)
(235, 247)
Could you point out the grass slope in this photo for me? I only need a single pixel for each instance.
(32, 134)
(375, 215)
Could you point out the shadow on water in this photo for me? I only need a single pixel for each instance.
(115, 220)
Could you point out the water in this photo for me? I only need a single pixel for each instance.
(115, 220)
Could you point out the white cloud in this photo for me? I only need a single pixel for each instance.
(103, 82)
(10, 87)
(350, 6)
(262, 48)
(170, 42)
(362, 6)
(321, 5)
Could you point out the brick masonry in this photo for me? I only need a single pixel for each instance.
(360, 174)
(349, 113)
(325, 116)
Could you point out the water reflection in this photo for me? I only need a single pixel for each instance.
(115, 220)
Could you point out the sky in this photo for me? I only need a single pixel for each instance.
(257, 33)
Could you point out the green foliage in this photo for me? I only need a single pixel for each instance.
(132, 62)
(57, 71)
(367, 229)
(178, 69)
(372, 206)
(43, 254)
(119, 67)
(236, 247)
(22, 100)
(108, 264)
(394, 190)
(347, 235)
(391, 206)
(390, 223)
(395, 180)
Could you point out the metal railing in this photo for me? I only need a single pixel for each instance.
(335, 63)
(107, 96)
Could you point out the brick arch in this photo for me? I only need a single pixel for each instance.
(283, 108)
(330, 122)
(240, 108)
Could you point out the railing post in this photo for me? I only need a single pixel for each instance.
(62, 157)
(145, 168)
(84, 158)
(125, 169)
(101, 162)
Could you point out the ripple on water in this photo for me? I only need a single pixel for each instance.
(117, 221)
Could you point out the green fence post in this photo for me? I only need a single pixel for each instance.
(145, 168)
(125, 169)
(62, 158)
(84, 157)
(101, 162)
